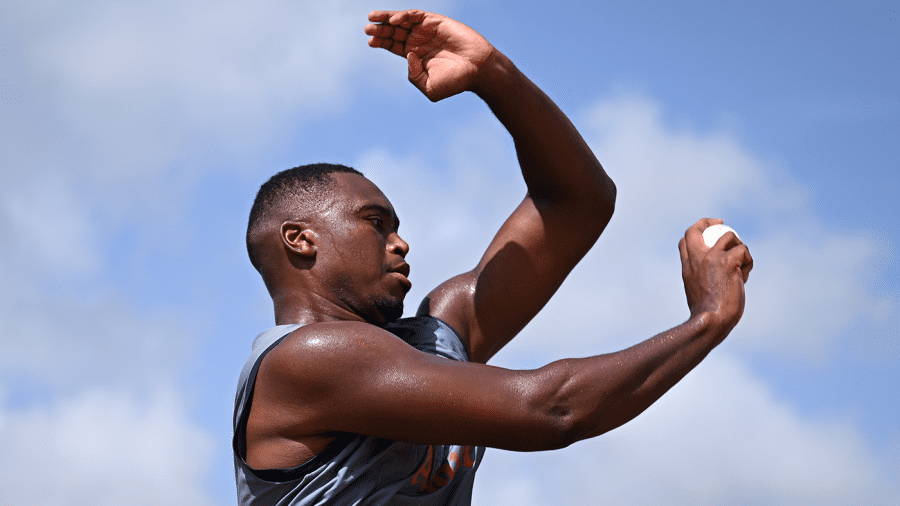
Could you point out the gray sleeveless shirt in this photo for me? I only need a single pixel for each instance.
(355, 469)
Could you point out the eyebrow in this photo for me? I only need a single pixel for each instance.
(387, 211)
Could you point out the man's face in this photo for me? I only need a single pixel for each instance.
(361, 252)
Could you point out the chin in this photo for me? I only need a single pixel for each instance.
(390, 310)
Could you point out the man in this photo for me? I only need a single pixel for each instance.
(342, 403)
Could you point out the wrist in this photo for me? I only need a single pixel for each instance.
(710, 325)
(496, 76)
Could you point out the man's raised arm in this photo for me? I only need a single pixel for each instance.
(570, 198)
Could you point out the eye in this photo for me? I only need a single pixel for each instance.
(377, 220)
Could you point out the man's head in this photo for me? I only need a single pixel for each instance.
(326, 235)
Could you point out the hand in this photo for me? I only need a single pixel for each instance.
(714, 277)
(444, 55)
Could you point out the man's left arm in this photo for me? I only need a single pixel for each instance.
(570, 198)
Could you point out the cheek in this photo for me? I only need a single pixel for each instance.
(361, 252)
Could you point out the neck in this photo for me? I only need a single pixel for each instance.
(307, 307)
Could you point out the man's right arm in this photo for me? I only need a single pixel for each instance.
(353, 377)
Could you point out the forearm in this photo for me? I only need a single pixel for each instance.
(557, 164)
(597, 394)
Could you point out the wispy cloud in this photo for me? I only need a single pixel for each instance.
(104, 447)
(719, 436)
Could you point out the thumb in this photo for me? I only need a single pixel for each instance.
(417, 74)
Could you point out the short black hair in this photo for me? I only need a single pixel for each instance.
(291, 186)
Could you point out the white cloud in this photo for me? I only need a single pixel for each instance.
(138, 100)
(230, 61)
(65, 343)
(810, 281)
(104, 447)
(62, 326)
(720, 436)
(811, 286)
(49, 226)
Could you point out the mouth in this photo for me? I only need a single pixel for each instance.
(402, 268)
(402, 271)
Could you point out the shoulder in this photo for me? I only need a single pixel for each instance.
(317, 355)
(453, 302)
(339, 340)
(299, 379)
(363, 365)
(318, 336)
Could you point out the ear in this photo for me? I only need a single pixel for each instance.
(299, 238)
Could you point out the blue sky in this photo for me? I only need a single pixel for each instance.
(135, 135)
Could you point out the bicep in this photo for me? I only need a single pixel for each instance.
(523, 266)
(380, 386)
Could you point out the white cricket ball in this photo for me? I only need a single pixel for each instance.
(712, 234)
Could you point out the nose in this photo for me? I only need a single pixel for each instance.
(398, 246)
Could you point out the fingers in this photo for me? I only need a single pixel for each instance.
(728, 241)
(746, 264)
(387, 37)
(381, 16)
(417, 74)
(694, 234)
(739, 259)
(393, 46)
(387, 32)
(393, 31)
(405, 18)
(685, 263)
(703, 224)
(738, 253)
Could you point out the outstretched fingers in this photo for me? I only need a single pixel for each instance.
(385, 35)
(381, 16)
(387, 32)
(405, 18)
(391, 45)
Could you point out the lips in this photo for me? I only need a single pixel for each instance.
(403, 270)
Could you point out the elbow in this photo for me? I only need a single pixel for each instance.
(600, 208)
(559, 429)
(559, 407)
(608, 201)
(578, 424)
(599, 203)
(569, 432)
(574, 407)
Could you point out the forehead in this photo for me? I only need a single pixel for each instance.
(356, 191)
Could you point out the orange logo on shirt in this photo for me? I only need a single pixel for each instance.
(444, 474)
